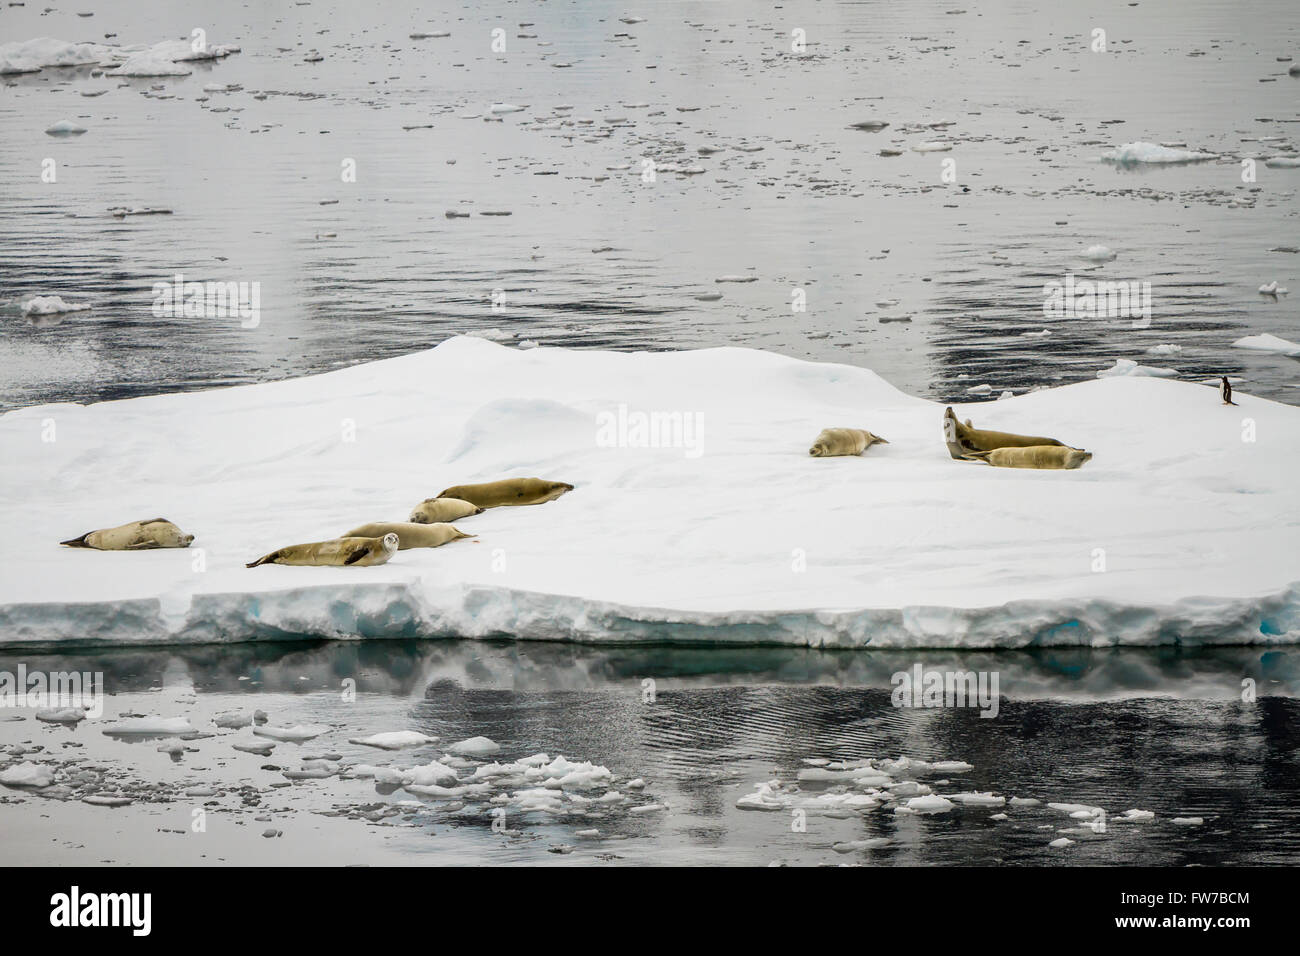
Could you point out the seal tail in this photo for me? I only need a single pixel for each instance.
(976, 456)
(881, 441)
(77, 542)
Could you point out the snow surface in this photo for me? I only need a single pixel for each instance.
(751, 540)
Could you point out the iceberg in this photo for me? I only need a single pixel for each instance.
(749, 541)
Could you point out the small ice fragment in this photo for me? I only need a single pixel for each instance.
(1100, 253)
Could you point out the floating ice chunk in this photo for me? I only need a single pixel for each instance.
(429, 775)
(50, 305)
(984, 389)
(1037, 335)
(62, 715)
(870, 126)
(1061, 843)
(932, 147)
(736, 278)
(151, 727)
(1268, 343)
(497, 109)
(1283, 162)
(1164, 350)
(1073, 808)
(261, 748)
(1187, 821)
(172, 748)
(65, 128)
(1142, 152)
(999, 816)
(1134, 816)
(631, 20)
(850, 846)
(1100, 253)
(30, 56)
(27, 774)
(98, 800)
(294, 733)
(648, 808)
(772, 795)
(165, 58)
(1272, 288)
(475, 746)
(932, 803)
(1024, 802)
(394, 740)
(1125, 366)
(430, 36)
(977, 799)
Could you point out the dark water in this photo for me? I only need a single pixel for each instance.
(381, 271)
(1162, 730)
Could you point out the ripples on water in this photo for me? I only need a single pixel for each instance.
(1097, 728)
(384, 272)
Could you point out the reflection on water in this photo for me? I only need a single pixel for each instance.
(1160, 730)
(932, 283)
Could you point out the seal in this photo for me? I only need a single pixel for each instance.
(1225, 391)
(410, 534)
(436, 510)
(136, 536)
(340, 552)
(1034, 456)
(961, 439)
(843, 441)
(509, 491)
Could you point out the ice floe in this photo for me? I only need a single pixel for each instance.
(51, 305)
(1142, 152)
(394, 740)
(1129, 367)
(1266, 342)
(1157, 445)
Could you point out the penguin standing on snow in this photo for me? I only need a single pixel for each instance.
(1225, 390)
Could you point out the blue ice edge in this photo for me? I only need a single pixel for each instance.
(398, 610)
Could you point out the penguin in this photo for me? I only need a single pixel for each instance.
(1225, 389)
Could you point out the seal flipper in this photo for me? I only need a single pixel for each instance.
(143, 546)
(976, 455)
(357, 555)
(265, 559)
(78, 542)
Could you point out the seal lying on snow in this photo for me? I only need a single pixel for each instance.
(509, 491)
(961, 439)
(843, 441)
(437, 510)
(410, 534)
(1034, 456)
(341, 552)
(136, 536)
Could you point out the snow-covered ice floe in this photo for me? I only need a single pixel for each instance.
(732, 534)
(1266, 342)
(1141, 152)
(31, 56)
(161, 59)
(51, 305)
